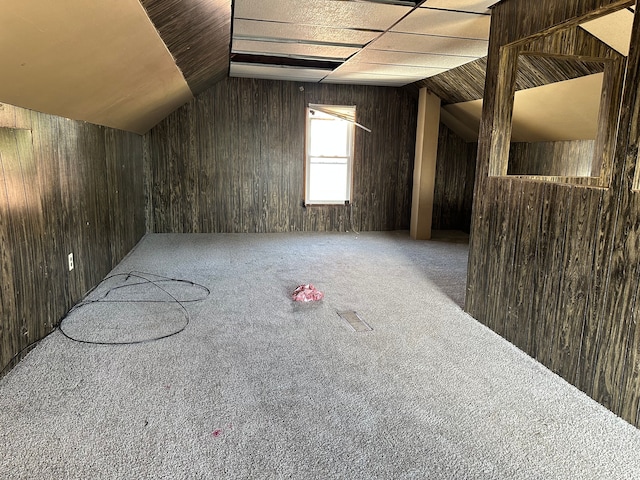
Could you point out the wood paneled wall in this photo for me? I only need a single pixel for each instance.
(455, 175)
(233, 160)
(555, 268)
(65, 187)
(563, 159)
(461, 84)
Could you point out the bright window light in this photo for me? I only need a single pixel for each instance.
(329, 159)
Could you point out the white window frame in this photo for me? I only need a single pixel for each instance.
(349, 112)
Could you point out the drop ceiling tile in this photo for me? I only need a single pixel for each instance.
(475, 6)
(332, 13)
(257, 29)
(295, 50)
(445, 23)
(273, 72)
(362, 79)
(613, 29)
(380, 69)
(408, 42)
(386, 57)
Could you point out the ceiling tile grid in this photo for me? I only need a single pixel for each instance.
(385, 69)
(294, 50)
(314, 34)
(407, 42)
(331, 13)
(367, 79)
(431, 60)
(472, 6)
(445, 23)
(276, 72)
(366, 41)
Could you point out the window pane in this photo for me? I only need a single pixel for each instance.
(328, 182)
(329, 155)
(328, 137)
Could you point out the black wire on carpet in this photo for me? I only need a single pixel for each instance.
(145, 279)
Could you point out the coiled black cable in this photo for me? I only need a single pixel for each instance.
(143, 278)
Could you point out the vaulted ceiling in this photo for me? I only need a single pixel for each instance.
(125, 64)
(129, 63)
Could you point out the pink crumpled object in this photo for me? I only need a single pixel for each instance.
(307, 293)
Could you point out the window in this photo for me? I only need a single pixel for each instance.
(561, 123)
(329, 155)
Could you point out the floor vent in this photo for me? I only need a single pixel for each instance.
(355, 322)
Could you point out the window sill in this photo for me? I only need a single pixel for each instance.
(346, 203)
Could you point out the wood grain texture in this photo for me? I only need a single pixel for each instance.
(550, 16)
(517, 319)
(466, 82)
(65, 186)
(455, 173)
(460, 84)
(233, 160)
(629, 400)
(554, 207)
(537, 70)
(198, 35)
(576, 265)
(562, 159)
(614, 383)
(554, 267)
(498, 249)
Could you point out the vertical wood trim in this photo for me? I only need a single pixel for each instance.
(424, 169)
(608, 119)
(500, 140)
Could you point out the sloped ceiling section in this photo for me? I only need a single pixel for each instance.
(198, 35)
(466, 83)
(461, 84)
(566, 110)
(613, 29)
(88, 61)
(378, 42)
(555, 99)
(105, 62)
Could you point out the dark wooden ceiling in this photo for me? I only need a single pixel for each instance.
(461, 84)
(198, 35)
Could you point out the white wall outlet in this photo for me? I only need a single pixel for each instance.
(70, 261)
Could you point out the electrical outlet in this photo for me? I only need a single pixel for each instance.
(70, 261)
